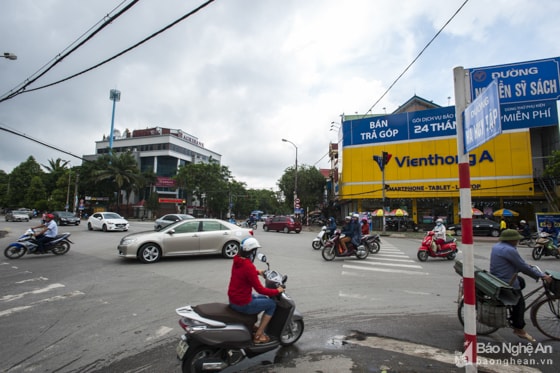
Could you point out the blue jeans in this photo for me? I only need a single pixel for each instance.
(258, 304)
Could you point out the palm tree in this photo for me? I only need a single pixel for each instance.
(124, 172)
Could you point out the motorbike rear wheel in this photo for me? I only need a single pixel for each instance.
(537, 252)
(328, 253)
(293, 332)
(373, 247)
(316, 245)
(61, 248)
(481, 329)
(422, 255)
(193, 355)
(14, 252)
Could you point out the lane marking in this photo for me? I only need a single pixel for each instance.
(385, 270)
(46, 300)
(9, 298)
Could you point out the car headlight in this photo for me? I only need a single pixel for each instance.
(128, 241)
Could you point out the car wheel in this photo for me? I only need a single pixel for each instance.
(458, 232)
(265, 228)
(89, 227)
(286, 230)
(149, 253)
(230, 249)
(495, 233)
(297, 231)
(104, 228)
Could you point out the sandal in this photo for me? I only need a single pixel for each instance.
(523, 334)
(263, 338)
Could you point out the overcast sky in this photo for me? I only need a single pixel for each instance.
(240, 75)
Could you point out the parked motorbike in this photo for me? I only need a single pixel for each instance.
(334, 249)
(544, 246)
(322, 237)
(217, 337)
(26, 243)
(429, 248)
(372, 242)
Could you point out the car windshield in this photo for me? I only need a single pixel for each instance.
(111, 215)
(65, 214)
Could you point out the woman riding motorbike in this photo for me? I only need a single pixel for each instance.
(244, 278)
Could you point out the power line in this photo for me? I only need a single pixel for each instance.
(12, 131)
(118, 54)
(416, 58)
(60, 57)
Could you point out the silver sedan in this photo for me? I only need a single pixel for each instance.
(185, 237)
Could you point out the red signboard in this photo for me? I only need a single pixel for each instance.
(170, 200)
(165, 182)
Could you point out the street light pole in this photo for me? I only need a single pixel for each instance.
(115, 96)
(295, 184)
(9, 56)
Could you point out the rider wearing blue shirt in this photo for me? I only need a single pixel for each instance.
(505, 263)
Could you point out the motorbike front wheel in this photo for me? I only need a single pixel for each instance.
(14, 252)
(61, 248)
(292, 333)
(193, 355)
(362, 254)
(316, 245)
(328, 253)
(537, 252)
(422, 255)
(373, 247)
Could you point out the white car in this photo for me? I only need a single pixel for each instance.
(107, 221)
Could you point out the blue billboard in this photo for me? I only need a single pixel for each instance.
(422, 124)
(528, 91)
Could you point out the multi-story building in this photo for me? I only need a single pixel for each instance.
(162, 150)
(421, 175)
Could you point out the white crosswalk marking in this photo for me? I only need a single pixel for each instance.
(389, 259)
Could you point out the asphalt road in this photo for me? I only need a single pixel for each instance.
(91, 311)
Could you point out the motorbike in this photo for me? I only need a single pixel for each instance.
(322, 237)
(530, 240)
(372, 242)
(217, 337)
(429, 248)
(247, 224)
(544, 246)
(26, 243)
(333, 248)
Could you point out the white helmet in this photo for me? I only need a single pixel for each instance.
(250, 244)
(523, 222)
(356, 216)
(439, 221)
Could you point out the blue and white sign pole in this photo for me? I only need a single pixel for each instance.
(482, 118)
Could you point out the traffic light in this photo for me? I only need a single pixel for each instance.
(386, 158)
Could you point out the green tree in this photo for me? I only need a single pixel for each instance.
(310, 187)
(209, 180)
(552, 168)
(123, 173)
(20, 182)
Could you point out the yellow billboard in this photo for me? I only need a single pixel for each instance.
(427, 168)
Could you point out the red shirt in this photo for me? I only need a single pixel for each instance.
(365, 228)
(245, 278)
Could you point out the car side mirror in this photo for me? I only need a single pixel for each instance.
(171, 231)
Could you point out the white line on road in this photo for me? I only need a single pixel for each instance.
(392, 264)
(32, 280)
(391, 259)
(46, 300)
(385, 270)
(9, 298)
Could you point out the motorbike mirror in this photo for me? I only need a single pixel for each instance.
(261, 257)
